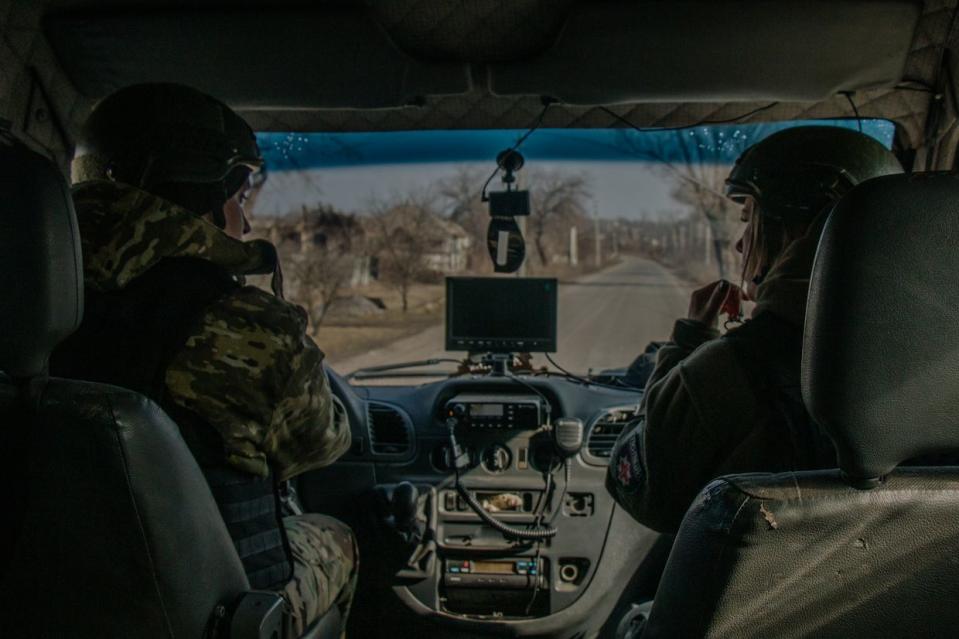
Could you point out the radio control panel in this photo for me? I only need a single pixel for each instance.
(507, 412)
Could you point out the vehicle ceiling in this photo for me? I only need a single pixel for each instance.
(376, 65)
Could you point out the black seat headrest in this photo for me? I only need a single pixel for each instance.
(41, 274)
(881, 345)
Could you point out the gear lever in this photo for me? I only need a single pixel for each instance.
(403, 505)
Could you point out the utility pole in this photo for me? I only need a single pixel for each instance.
(521, 222)
(707, 243)
(598, 240)
(573, 247)
(304, 233)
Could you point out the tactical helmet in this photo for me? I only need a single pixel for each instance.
(152, 134)
(795, 173)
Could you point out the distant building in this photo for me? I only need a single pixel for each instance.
(445, 243)
(451, 247)
(320, 229)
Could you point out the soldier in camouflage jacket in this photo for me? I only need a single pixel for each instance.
(248, 369)
(243, 380)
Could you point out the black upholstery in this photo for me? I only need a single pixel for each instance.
(109, 527)
(866, 550)
(41, 297)
(881, 372)
(806, 555)
(111, 530)
(120, 537)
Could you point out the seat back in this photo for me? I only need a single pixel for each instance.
(114, 532)
(863, 550)
(807, 555)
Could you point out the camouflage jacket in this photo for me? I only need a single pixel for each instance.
(248, 369)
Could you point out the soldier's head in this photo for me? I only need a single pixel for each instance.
(788, 179)
(175, 142)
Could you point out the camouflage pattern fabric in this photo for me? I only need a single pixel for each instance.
(249, 369)
(124, 231)
(325, 563)
(252, 373)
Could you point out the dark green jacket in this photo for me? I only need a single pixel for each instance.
(707, 412)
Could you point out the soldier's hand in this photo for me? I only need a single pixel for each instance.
(706, 302)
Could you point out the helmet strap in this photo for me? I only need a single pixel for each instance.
(218, 200)
(276, 282)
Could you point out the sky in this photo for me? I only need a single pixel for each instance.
(624, 168)
(619, 189)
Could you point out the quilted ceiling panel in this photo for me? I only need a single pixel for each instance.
(463, 30)
(482, 32)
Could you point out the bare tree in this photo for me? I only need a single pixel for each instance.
(699, 159)
(461, 198)
(405, 231)
(558, 199)
(704, 197)
(321, 276)
(320, 257)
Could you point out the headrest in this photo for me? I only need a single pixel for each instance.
(41, 276)
(881, 344)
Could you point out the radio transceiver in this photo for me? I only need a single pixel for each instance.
(522, 412)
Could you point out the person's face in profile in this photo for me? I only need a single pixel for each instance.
(744, 245)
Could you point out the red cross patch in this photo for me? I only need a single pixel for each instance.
(625, 471)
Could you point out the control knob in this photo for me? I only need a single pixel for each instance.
(497, 458)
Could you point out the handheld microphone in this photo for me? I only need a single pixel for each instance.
(568, 435)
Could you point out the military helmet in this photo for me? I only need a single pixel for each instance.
(795, 173)
(152, 134)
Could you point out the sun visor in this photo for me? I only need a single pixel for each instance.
(704, 50)
(276, 59)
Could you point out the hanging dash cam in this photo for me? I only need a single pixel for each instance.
(504, 239)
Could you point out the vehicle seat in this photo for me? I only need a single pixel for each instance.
(110, 529)
(867, 550)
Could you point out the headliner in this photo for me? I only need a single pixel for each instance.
(368, 65)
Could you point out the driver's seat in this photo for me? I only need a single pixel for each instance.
(109, 527)
(868, 550)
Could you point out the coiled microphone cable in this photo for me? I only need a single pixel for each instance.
(461, 461)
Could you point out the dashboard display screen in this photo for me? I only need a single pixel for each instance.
(501, 314)
(493, 567)
(486, 410)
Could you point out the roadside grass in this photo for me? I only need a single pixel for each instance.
(344, 337)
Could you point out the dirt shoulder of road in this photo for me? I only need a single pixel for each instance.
(342, 338)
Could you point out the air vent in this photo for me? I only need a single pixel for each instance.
(606, 430)
(390, 431)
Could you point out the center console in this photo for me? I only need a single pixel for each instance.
(489, 512)
(510, 466)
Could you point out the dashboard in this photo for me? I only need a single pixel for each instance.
(429, 557)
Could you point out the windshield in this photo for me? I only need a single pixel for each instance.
(368, 225)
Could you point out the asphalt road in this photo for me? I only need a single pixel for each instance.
(605, 319)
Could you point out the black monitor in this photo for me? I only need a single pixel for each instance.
(501, 314)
